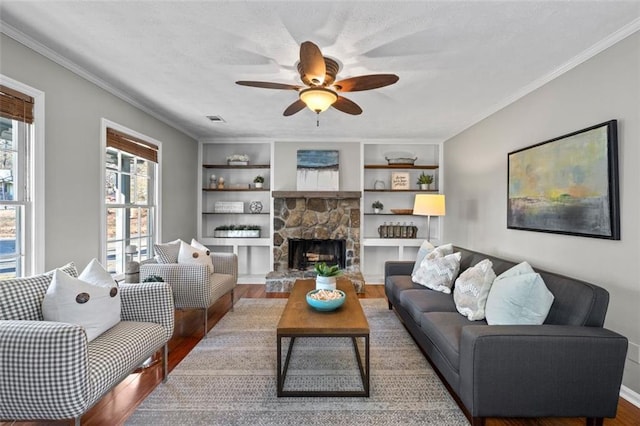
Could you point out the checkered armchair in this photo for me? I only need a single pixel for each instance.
(50, 371)
(193, 287)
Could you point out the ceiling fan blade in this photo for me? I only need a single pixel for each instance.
(312, 62)
(268, 85)
(345, 105)
(365, 82)
(294, 107)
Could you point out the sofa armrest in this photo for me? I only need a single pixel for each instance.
(148, 302)
(44, 369)
(225, 263)
(190, 283)
(398, 267)
(537, 371)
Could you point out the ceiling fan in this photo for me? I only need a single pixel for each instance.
(320, 92)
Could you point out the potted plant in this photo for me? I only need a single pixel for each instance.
(377, 206)
(425, 181)
(326, 276)
(258, 181)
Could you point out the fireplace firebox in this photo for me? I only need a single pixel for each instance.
(305, 253)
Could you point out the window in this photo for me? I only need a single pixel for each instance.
(17, 183)
(130, 188)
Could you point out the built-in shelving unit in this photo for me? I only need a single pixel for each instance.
(376, 179)
(254, 254)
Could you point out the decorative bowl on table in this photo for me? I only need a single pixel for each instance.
(325, 300)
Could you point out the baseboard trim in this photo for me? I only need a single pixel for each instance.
(629, 395)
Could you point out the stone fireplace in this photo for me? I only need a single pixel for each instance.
(314, 216)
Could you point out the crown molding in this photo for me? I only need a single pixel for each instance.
(615, 37)
(48, 53)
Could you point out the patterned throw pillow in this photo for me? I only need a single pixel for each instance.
(167, 252)
(189, 254)
(472, 288)
(74, 301)
(438, 271)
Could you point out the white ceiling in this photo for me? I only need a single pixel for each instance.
(458, 61)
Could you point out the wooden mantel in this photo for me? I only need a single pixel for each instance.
(334, 195)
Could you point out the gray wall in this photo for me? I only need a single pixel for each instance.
(475, 167)
(73, 111)
(285, 160)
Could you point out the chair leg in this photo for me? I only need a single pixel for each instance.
(165, 362)
(594, 421)
(206, 315)
(76, 421)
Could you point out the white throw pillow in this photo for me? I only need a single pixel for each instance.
(519, 269)
(197, 244)
(472, 288)
(437, 271)
(167, 252)
(74, 301)
(188, 254)
(425, 248)
(518, 299)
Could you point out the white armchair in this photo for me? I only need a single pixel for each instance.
(193, 287)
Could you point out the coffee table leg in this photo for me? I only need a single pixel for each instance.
(364, 370)
(282, 372)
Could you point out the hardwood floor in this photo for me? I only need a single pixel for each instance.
(122, 401)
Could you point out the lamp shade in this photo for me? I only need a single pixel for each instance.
(429, 205)
(131, 249)
(318, 99)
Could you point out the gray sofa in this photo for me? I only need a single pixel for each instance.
(568, 367)
(50, 371)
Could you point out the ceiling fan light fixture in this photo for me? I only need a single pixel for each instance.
(318, 99)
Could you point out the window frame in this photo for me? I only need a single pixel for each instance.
(33, 238)
(156, 231)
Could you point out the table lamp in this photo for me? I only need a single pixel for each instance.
(429, 205)
(131, 267)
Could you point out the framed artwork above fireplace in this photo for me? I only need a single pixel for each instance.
(318, 170)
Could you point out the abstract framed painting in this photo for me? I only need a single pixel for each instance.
(567, 185)
(318, 170)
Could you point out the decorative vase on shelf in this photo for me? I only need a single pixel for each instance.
(376, 211)
(424, 186)
(258, 185)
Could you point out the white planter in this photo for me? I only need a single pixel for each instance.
(326, 283)
(258, 185)
(376, 211)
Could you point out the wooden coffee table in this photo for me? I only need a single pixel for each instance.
(301, 320)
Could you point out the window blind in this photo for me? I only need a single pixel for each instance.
(132, 145)
(16, 105)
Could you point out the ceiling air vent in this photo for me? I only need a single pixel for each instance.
(216, 118)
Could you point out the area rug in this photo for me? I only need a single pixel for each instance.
(229, 378)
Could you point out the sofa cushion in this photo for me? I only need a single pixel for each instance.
(118, 350)
(167, 252)
(425, 248)
(444, 329)
(438, 271)
(419, 301)
(396, 284)
(96, 307)
(22, 297)
(472, 288)
(191, 255)
(518, 299)
(197, 244)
